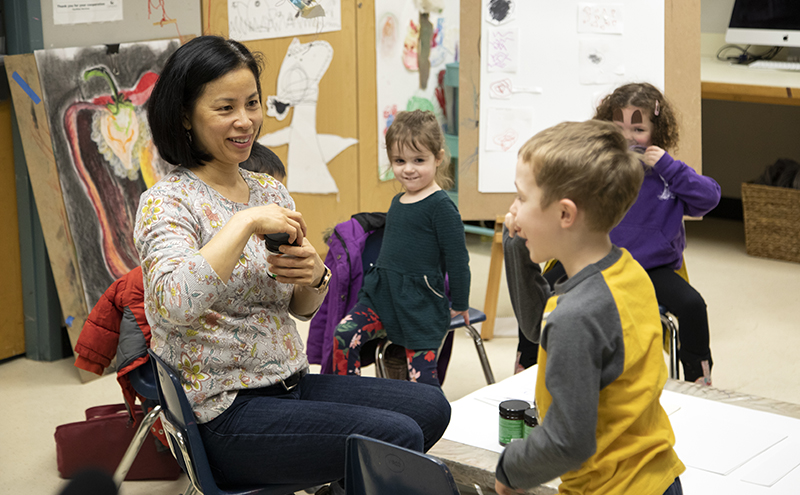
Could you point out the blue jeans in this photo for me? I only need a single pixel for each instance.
(299, 436)
(675, 488)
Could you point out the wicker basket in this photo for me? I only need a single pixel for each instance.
(771, 221)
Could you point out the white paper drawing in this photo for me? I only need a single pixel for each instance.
(502, 89)
(264, 19)
(600, 62)
(600, 18)
(298, 88)
(500, 11)
(503, 50)
(508, 128)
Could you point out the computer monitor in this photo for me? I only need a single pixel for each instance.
(765, 22)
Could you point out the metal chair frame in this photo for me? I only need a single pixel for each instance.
(185, 442)
(475, 316)
(669, 324)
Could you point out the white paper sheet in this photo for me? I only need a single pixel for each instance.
(508, 129)
(600, 18)
(600, 62)
(503, 50)
(720, 438)
(265, 19)
(502, 89)
(777, 462)
(79, 12)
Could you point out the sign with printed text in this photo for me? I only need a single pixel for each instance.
(80, 12)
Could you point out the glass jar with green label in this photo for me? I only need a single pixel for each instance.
(531, 421)
(512, 414)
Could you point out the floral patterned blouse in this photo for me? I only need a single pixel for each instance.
(221, 336)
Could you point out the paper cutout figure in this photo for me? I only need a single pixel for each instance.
(411, 47)
(388, 28)
(600, 18)
(298, 88)
(500, 11)
(503, 50)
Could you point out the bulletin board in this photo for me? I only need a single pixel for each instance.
(336, 111)
(680, 73)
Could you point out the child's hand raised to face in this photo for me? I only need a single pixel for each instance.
(652, 155)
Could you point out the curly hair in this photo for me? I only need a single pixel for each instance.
(647, 97)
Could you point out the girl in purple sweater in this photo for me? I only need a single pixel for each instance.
(652, 231)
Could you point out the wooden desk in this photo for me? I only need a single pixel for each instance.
(724, 81)
(472, 465)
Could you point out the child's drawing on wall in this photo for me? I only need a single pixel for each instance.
(298, 89)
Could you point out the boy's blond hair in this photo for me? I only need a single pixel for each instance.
(588, 163)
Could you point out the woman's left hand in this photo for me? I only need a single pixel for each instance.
(652, 155)
(299, 265)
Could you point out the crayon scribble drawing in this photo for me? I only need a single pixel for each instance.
(500, 11)
(503, 50)
(298, 88)
(103, 149)
(508, 128)
(600, 18)
(264, 19)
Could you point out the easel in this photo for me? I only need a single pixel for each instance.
(493, 280)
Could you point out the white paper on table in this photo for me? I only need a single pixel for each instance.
(474, 419)
(73, 12)
(670, 404)
(502, 50)
(600, 62)
(720, 440)
(508, 128)
(600, 18)
(771, 466)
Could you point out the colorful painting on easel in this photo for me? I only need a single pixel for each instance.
(403, 82)
(95, 99)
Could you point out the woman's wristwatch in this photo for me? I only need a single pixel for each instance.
(322, 286)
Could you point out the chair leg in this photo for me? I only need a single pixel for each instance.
(476, 337)
(136, 444)
(670, 324)
(191, 490)
(380, 358)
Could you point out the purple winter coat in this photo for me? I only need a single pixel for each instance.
(344, 259)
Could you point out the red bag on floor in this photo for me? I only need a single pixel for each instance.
(101, 441)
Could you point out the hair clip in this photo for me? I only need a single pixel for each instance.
(655, 112)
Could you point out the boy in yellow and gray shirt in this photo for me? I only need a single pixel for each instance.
(601, 371)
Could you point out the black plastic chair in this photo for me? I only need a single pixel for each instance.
(375, 467)
(185, 441)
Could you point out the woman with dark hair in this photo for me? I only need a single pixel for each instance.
(221, 306)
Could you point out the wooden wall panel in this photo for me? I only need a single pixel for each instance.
(34, 128)
(12, 319)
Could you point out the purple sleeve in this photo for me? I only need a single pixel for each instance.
(699, 193)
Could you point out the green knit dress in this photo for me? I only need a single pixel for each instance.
(422, 241)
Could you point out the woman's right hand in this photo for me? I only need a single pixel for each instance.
(273, 219)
